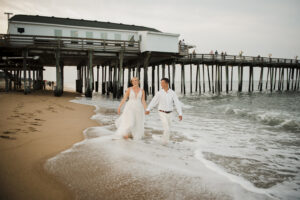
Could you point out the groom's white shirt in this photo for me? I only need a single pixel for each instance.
(165, 101)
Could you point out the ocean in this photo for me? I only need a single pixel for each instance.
(228, 146)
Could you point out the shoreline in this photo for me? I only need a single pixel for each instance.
(31, 133)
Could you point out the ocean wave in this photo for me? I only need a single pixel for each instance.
(277, 120)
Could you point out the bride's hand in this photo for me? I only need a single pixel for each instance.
(119, 111)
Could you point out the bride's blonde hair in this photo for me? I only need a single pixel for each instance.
(134, 78)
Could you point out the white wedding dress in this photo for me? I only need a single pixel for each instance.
(131, 121)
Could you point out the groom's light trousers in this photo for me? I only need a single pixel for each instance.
(166, 122)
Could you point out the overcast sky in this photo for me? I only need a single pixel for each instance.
(254, 26)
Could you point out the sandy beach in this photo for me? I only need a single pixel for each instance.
(33, 128)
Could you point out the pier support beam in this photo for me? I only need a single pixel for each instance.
(275, 77)
(153, 80)
(6, 80)
(227, 78)
(250, 87)
(58, 89)
(138, 71)
(158, 79)
(97, 82)
(182, 79)
(25, 54)
(287, 79)
(129, 77)
(197, 78)
(79, 79)
(145, 65)
(115, 81)
(121, 75)
(191, 78)
(163, 70)
(169, 73)
(203, 78)
(173, 76)
(260, 84)
(208, 78)
(110, 84)
(231, 77)
(104, 82)
(212, 79)
(89, 89)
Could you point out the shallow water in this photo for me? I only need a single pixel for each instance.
(227, 147)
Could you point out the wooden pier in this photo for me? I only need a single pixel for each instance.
(214, 65)
(23, 58)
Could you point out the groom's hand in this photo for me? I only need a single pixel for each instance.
(147, 112)
(180, 117)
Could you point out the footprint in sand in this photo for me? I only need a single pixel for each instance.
(39, 111)
(69, 108)
(37, 119)
(51, 108)
(11, 131)
(32, 129)
(7, 137)
(8, 132)
(35, 124)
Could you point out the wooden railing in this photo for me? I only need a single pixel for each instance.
(65, 43)
(238, 59)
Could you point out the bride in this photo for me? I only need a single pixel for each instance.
(131, 121)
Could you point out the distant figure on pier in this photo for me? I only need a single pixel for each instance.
(194, 53)
(241, 53)
(225, 54)
(131, 121)
(183, 43)
(216, 52)
(131, 42)
(258, 57)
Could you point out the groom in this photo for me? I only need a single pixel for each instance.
(165, 99)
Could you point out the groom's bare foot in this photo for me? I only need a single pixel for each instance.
(125, 137)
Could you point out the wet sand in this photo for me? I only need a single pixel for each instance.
(34, 128)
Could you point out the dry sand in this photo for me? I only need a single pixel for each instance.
(33, 128)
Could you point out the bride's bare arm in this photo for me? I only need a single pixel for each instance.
(123, 100)
(143, 100)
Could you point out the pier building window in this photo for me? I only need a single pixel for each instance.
(131, 40)
(21, 30)
(103, 36)
(118, 37)
(89, 35)
(74, 34)
(57, 33)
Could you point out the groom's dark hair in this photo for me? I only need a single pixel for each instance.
(166, 80)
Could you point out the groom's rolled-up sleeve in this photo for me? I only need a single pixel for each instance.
(153, 102)
(177, 104)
